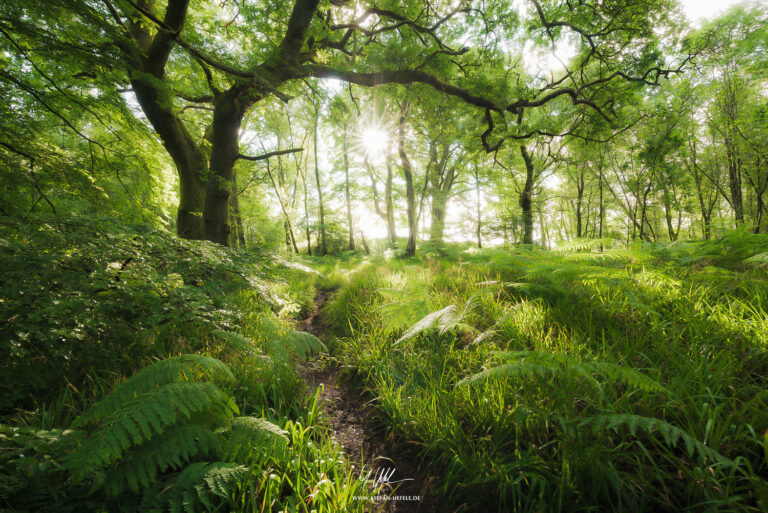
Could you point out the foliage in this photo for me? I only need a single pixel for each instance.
(571, 384)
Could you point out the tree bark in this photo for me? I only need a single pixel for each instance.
(350, 228)
(410, 248)
(306, 211)
(321, 206)
(602, 206)
(228, 111)
(389, 205)
(734, 180)
(579, 201)
(290, 239)
(238, 238)
(479, 211)
(191, 163)
(526, 196)
(441, 178)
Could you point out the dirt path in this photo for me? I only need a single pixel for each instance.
(350, 416)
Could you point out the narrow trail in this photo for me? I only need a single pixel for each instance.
(350, 415)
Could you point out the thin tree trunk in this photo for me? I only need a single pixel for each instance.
(410, 248)
(479, 211)
(306, 212)
(602, 206)
(526, 197)
(734, 181)
(323, 245)
(390, 205)
(238, 238)
(350, 229)
(365, 243)
(579, 200)
(290, 238)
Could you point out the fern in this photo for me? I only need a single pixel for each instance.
(446, 319)
(236, 341)
(282, 343)
(163, 419)
(170, 370)
(760, 258)
(170, 450)
(145, 416)
(607, 257)
(583, 244)
(244, 434)
(538, 363)
(199, 483)
(442, 319)
(672, 435)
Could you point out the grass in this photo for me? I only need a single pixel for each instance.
(88, 303)
(526, 380)
(630, 379)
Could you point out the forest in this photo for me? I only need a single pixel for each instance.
(317, 256)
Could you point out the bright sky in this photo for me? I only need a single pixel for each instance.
(698, 10)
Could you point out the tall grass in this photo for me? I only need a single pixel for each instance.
(627, 380)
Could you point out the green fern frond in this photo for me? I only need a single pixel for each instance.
(517, 369)
(221, 477)
(444, 320)
(179, 368)
(583, 244)
(303, 344)
(236, 341)
(199, 483)
(246, 435)
(672, 435)
(760, 258)
(147, 414)
(539, 363)
(173, 448)
(281, 343)
(606, 257)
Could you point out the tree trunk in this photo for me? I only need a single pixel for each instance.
(228, 113)
(365, 243)
(290, 239)
(479, 211)
(191, 163)
(238, 237)
(579, 201)
(390, 205)
(323, 245)
(526, 197)
(734, 181)
(437, 226)
(350, 229)
(441, 180)
(306, 211)
(602, 206)
(410, 248)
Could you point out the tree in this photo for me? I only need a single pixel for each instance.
(170, 51)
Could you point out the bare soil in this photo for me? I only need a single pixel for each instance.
(351, 417)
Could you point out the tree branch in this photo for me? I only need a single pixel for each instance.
(269, 154)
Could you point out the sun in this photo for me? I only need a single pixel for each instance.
(374, 140)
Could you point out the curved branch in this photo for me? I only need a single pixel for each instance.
(404, 77)
(265, 156)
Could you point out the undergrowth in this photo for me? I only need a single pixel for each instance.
(591, 378)
(141, 372)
